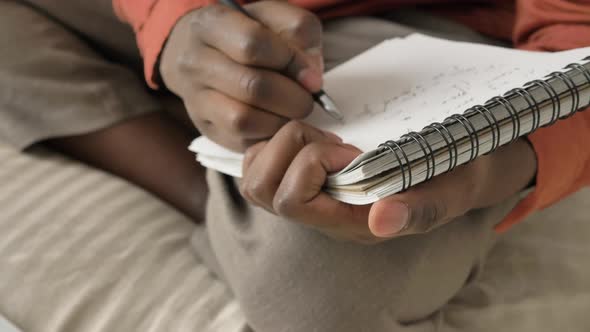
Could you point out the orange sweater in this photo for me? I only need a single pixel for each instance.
(562, 150)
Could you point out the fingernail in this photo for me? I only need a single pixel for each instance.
(394, 219)
(311, 79)
(316, 58)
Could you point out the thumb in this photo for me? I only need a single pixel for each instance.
(422, 208)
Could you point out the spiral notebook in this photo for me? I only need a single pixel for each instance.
(421, 106)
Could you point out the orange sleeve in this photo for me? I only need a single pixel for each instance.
(152, 21)
(563, 149)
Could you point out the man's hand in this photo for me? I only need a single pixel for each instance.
(286, 174)
(242, 79)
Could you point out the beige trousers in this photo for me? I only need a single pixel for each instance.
(290, 278)
(83, 251)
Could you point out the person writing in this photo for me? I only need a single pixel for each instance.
(276, 238)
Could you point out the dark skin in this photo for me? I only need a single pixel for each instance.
(174, 176)
(242, 80)
(149, 151)
(244, 85)
(288, 182)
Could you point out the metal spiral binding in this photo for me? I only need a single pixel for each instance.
(532, 102)
(447, 142)
(552, 94)
(494, 124)
(439, 128)
(428, 155)
(582, 70)
(513, 115)
(442, 129)
(572, 88)
(471, 131)
(393, 146)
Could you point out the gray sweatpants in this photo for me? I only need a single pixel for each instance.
(285, 277)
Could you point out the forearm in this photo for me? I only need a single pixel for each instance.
(149, 151)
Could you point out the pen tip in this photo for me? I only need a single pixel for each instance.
(330, 106)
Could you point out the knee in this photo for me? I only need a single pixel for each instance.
(300, 281)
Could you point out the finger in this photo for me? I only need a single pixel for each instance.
(249, 157)
(251, 154)
(303, 31)
(264, 175)
(243, 39)
(262, 89)
(234, 118)
(424, 207)
(300, 194)
(233, 136)
(300, 27)
(249, 42)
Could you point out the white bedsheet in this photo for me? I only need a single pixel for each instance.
(83, 251)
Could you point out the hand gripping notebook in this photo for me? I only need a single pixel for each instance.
(421, 106)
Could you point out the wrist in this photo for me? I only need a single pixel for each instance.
(153, 22)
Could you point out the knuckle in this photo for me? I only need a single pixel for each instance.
(239, 120)
(208, 14)
(431, 214)
(196, 20)
(296, 130)
(188, 63)
(252, 45)
(295, 126)
(201, 123)
(184, 62)
(256, 188)
(305, 24)
(283, 204)
(254, 85)
(202, 20)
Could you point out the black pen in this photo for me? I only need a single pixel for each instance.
(320, 97)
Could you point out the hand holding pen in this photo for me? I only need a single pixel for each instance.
(318, 94)
(240, 78)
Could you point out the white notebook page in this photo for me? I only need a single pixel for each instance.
(407, 83)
